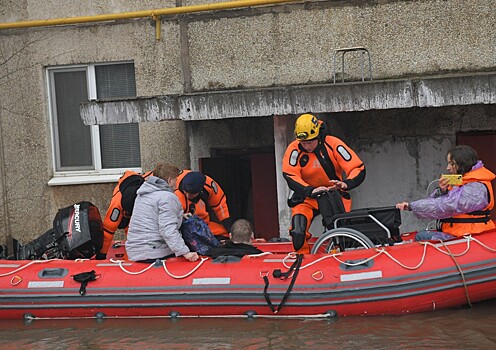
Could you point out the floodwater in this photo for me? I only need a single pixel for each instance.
(460, 328)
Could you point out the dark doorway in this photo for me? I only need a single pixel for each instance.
(248, 177)
(485, 144)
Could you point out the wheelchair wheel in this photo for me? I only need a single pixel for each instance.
(341, 239)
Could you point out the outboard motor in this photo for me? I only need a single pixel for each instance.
(77, 233)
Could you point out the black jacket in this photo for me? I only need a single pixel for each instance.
(230, 248)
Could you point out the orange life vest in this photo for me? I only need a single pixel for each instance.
(116, 217)
(211, 197)
(474, 222)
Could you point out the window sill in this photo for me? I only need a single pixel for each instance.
(83, 179)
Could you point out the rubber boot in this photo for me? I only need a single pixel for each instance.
(298, 234)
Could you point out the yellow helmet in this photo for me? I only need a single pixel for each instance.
(307, 127)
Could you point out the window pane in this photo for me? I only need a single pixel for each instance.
(74, 138)
(119, 143)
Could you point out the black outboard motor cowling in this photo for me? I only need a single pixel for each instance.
(77, 233)
(81, 229)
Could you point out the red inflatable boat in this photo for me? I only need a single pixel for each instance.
(384, 280)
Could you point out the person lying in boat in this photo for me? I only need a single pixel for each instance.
(462, 209)
(240, 243)
(157, 215)
(200, 194)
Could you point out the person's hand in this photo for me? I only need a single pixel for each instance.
(338, 185)
(319, 189)
(443, 184)
(187, 216)
(191, 256)
(403, 206)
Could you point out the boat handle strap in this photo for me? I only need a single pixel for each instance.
(84, 278)
(296, 267)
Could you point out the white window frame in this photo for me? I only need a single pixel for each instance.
(78, 177)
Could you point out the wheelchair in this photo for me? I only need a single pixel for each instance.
(360, 229)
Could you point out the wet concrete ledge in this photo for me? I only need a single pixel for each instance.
(479, 88)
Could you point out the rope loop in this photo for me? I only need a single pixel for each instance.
(15, 280)
(203, 259)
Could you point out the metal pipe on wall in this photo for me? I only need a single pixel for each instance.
(154, 14)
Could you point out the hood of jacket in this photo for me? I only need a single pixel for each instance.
(479, 173)
(153, 184)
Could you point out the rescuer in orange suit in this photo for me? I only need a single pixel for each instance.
(313, 163)
(117, 217)
(200, 194)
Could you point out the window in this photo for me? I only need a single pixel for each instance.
(91, 151)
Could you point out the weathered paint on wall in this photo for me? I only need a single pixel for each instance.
(259, 48)
(362, 96)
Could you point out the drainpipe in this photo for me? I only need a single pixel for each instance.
(3, 187)
(154, 14)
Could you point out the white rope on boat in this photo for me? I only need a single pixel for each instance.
(435, 246)
(382, 250)
(292, 255)
(421, 262)
(461, 273)
(314, 316)
(258, 255)
(482, 244)
(26, 265)
(185, 275)
(131, 272)
(361, 261)
(163, 264)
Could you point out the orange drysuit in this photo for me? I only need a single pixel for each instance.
(116, 217)
(211, 197)
(304, 171)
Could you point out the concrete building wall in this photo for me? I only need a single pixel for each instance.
(29, 204)
(258, 47)
(296, 44)
(405, 150)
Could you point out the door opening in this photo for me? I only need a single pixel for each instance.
(248, 177)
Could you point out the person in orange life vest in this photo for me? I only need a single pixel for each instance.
(198, 195)
(463, 209)
(313, 163)
(118, 217)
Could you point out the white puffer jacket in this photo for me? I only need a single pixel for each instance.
(154, 228)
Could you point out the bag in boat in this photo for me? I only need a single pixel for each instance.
(77, 233)
(197, 235)
(128, 184)
(330, 205)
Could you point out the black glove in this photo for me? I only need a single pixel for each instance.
(101, 256)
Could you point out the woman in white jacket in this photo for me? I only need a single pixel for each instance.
(157, 215)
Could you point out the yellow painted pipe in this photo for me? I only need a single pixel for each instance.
(158, 26)
(140, 14)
